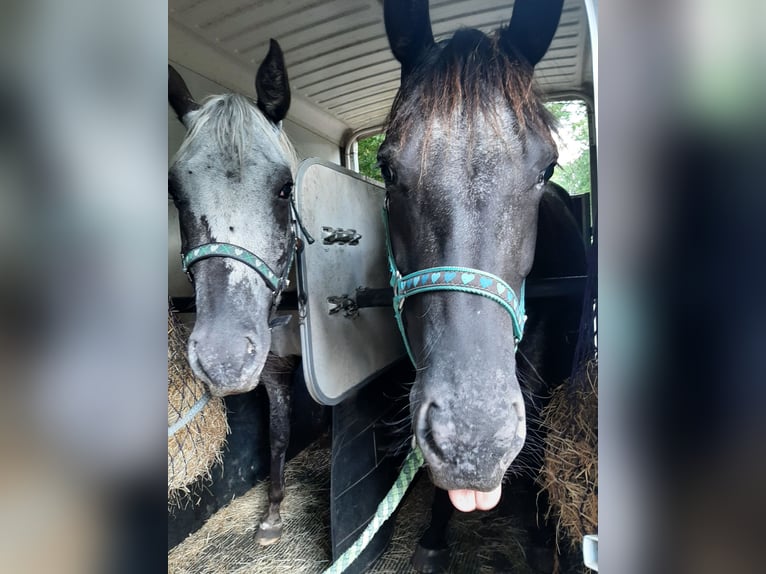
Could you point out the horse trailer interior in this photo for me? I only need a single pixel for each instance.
(343, 80)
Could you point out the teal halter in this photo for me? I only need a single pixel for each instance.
(277, 283)
(462, 279)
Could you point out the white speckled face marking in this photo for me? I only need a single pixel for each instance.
(237, 202)
(231, 181)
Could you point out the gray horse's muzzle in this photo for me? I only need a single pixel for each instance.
(228, 364)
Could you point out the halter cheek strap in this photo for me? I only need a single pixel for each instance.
(462, 279)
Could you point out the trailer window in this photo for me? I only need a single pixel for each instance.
(573, 141)
(367, 154)
(572, 138)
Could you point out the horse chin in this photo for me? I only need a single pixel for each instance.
(219, 391)
(446, 478)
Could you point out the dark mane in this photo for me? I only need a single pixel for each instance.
(461, 80)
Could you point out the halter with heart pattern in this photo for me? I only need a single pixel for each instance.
(445, 278)
(277, 283)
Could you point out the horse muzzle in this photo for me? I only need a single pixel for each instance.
(469, 444)
(228, 365)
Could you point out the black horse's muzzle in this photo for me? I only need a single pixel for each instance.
(468, 436)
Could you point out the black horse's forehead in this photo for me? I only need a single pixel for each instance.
(469, 92)
(490, 153)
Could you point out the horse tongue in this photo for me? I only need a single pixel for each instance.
(470, 500)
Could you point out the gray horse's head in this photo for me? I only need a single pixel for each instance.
(231, 182)
(467, 152)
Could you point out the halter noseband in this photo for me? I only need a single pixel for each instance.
(462, 279)
(277, 283)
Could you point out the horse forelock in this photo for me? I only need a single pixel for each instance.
(237, 126)
(467, 79)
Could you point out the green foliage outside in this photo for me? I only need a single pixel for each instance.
(368, 156)
(573, 171)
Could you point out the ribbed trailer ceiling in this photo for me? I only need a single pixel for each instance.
(341, 70)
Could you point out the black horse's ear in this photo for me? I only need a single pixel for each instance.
(408, 27)
(533, 25)
(179, 97)
(272, 86)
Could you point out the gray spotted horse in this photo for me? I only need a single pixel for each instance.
(232, 181)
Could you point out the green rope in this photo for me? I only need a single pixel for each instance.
(385, 509)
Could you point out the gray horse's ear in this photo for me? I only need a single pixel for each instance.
(179, 97)
(408, 27)
(533, 25)
(272, 86)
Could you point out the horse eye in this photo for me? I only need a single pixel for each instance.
(546, 174)
(286, 190)
(388, 174)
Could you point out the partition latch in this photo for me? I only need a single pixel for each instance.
(338, 236)
(345, 304)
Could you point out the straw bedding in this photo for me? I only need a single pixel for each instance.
(196, 446)
(480, 542)
(570, 470)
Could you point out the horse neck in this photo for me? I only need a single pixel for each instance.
(560, 248)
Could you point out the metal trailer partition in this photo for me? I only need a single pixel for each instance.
(344, 346)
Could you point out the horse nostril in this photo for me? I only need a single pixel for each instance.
(250, 346)
(426, 430)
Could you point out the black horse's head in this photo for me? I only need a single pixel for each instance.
(231, 182)
(467, 152)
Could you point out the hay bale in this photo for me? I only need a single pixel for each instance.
(197, 426)
(570, 469)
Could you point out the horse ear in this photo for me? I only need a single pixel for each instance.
(272, 86)
(179, 97)
(533, 25)
(408, 27)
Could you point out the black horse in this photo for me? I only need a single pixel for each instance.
(466, 161)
